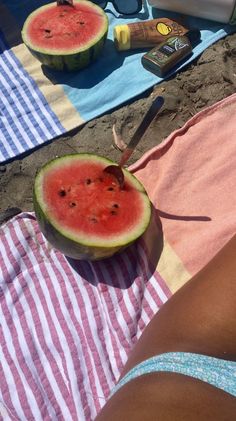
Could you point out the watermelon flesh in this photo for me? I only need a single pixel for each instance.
(83, 211)
(66, 37)
(63, 28)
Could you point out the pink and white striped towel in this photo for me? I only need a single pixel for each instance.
(67, 327)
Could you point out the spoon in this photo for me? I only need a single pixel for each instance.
(64, 2)
(116, 170)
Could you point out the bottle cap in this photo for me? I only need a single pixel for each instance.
(121, 35)
(194, 36)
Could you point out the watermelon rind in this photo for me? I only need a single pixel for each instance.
(73, 59)
(84, 247)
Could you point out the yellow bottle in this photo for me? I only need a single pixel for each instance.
(146, 34)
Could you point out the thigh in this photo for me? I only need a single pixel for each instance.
(169, 397)
(200, 317)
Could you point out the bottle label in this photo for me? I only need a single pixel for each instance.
(169, 28)
(169, 51)
(172, 45)
(150, 33)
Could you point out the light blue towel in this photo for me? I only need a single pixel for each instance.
(114, 79)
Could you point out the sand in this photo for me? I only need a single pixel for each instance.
(207, 80)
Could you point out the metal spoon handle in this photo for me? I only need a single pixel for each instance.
(64, 2)
(149, 116)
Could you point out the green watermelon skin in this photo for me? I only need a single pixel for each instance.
(72, 62)
(71, 248)
(84, 250)
(79, 58)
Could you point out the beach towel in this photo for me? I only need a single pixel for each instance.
(67, 327)
(38, 105)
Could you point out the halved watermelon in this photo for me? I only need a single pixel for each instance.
(66, 37)
(82, 210)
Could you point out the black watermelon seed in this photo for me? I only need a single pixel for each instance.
(110, 188)
(88, 181)
(113, 212)
(72, 204)
(115, 205)
(62, 192)
(47, 30)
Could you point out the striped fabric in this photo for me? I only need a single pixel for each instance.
(27, 119)
(37, 104)
(66, 327)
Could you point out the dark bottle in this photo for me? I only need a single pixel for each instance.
(162, 58)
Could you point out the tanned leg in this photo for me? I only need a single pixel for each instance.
(199, 318)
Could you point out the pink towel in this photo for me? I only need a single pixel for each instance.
(67, 327)
(191, 179)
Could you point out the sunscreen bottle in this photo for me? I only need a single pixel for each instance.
(165, 56)
(146, 34)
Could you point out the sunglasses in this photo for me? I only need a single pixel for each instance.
(125, 7)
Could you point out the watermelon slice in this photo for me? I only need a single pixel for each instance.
(82, 210)
(66, 37)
